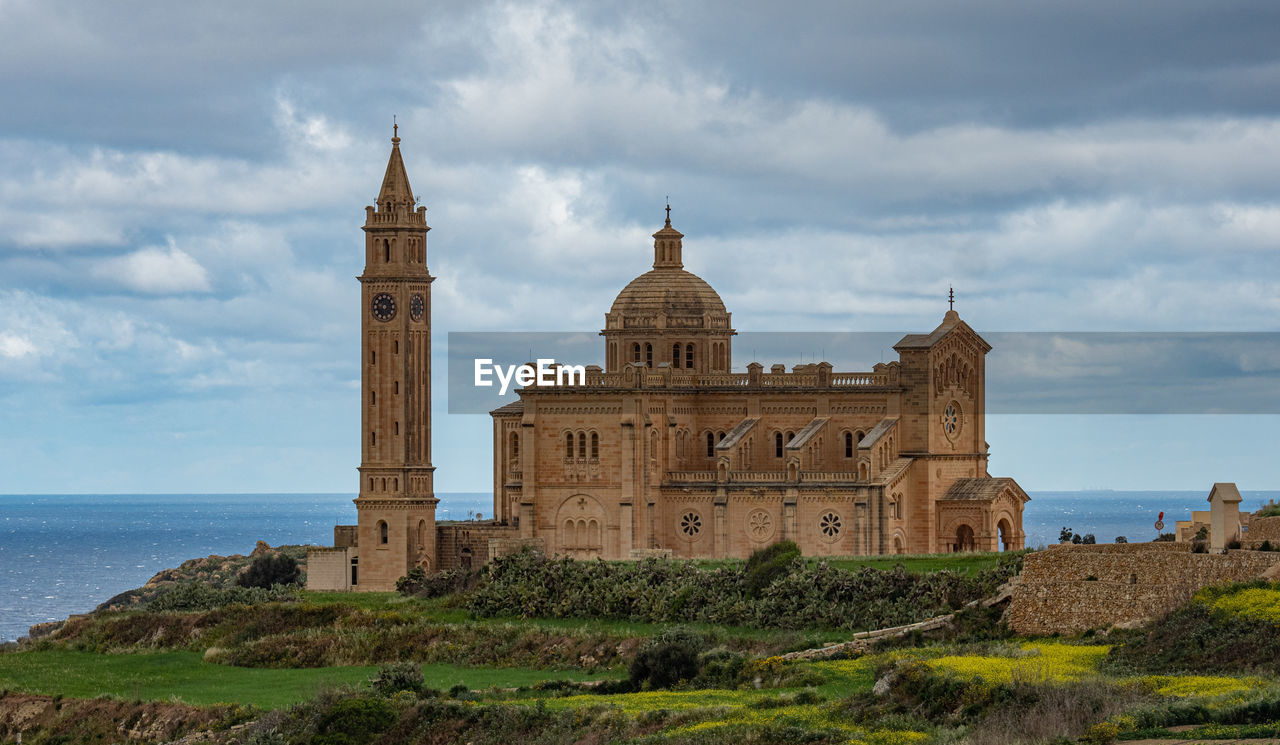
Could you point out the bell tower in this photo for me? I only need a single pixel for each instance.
(396, 503)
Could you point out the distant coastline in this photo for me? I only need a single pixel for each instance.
(66, 553)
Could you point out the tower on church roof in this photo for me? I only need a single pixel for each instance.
(667, 246)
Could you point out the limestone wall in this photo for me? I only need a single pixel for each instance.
(1072, 588)
(328, 569)
(465, 543)
(1263, 529)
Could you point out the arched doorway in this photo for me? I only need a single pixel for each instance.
(580, 527)
(964, 538)
(1006, 534)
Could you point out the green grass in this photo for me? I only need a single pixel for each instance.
(439, 610)
(162, 675)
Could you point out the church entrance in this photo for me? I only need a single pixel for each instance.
(964, 538)
(580, 527)
(1005, 534)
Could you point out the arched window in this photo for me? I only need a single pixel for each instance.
(395, 346)
(848, 444)
(675, 355)
(595, 445)
(648, 355)
(373, 438)
(635, 353)
(373, 398)
(382, 531)
(373, 357)
(711, 445)
(789, 437)
(777, 445)
(719, 436)
(568, 444)
(386, 251)
(688, 356)
(515, 446)
(397, 424)
(857, 438)
(582, 444)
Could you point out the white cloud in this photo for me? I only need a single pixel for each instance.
(14, 346)
(156, 271)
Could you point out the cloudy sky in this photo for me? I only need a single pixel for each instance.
(182, 187)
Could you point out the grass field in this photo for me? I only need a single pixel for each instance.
(439, 611)
(164, 675)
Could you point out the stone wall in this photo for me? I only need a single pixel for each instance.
(465, 543)
(1072, 588)
(1263, 529)
(328, 569)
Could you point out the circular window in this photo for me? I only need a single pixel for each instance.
(829, 524)
(759, 525)
(691, 524)
(951, 419)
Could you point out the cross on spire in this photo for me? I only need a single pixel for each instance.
(951, 298)
(668, 211)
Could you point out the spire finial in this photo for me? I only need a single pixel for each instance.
(395, 131)
(668, 210)
(951, 298)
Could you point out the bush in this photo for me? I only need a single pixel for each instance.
(667, 660)
(270, 570)
(398, 676)
(354, 721)
(198, 596)
(1121, 539)
(1266, 546)
(1089, 539)
(768, 564)
(417, 583)
(1166, 538)
(1233, 544)
(1199, 547)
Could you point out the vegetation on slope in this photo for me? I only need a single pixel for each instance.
(1224, 629)
(792, 595)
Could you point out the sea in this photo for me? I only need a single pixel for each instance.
(66, 553)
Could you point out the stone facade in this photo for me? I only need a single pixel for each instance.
(666, 451)
(1069, 589)
(665, 448)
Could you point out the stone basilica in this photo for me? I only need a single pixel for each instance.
(666, 450)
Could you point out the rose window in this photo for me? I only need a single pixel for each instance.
(829, 524)
(759, 525)
(691, 524)
(951, 419)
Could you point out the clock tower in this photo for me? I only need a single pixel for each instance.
(396, 503)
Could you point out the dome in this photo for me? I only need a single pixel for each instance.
(669, 291)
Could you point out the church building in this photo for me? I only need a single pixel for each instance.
(665, 450)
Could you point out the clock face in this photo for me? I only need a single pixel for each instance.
(417, 307)
(383, 307)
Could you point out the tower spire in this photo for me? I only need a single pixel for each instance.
(396, 194)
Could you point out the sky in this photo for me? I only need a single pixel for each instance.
(182, 187)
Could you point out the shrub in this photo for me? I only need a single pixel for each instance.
(1202, 533)
(1266, 546)
(768, 564)
(1233, 543)
(398, 676)
(1199, 547)
(1166, 538)
(417, 583)
(354, 721)
(1121, 539)
(198, 596)
(1089, 539)
(667, 660)
(270, 570)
